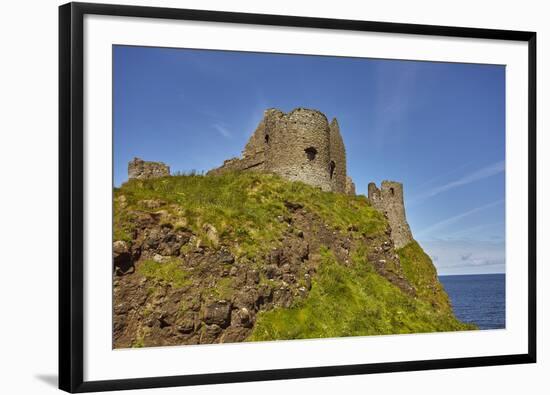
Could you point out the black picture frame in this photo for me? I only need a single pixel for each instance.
(71, 173)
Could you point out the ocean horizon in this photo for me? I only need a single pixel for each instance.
(479, 299)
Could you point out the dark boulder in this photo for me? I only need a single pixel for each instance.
(218, 313)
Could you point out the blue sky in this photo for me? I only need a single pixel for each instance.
(437, 127)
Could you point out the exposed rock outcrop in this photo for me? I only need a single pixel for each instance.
(223, 296)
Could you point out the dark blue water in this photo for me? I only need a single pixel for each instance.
(478, 299)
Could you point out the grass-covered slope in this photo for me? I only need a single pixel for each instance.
(244, 208)
(251, 256)
(353, 301)
(421, 273)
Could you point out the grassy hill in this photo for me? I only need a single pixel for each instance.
(250, 256)
(353, 301)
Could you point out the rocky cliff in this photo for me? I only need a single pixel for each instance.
(252, 256)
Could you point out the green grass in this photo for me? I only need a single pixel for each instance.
(245, 210)
(243, 207)
(124, 223)
(352, 302)
(223, 289)
(422, 275)
(139, 339)
(169, 272)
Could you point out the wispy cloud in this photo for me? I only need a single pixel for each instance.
(222, 130)
(443, 176)
(462, 233)
(480, 174)
(396, 98)
(207, 112)
(255, 113)
(456, 218)
(466, 256)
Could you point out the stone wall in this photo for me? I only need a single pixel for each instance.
(302, 146)
(252, 162)
(299, 146)
(140, 169)
(337, 165)
(350, 186)
(389, 200)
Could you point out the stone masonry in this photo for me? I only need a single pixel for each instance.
(389, 200)
(302, 146)
(350, 186)
(140, 169)
(299, 146)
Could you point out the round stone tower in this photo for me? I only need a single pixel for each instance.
(297, 146)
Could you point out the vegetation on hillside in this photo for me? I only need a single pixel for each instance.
(245, 208)
(421, 273)
(251, 256)
(353, 301)
(170, 273)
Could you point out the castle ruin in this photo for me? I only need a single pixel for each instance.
(299, 146)
(302, 146)
(389, 200)
(140, 169)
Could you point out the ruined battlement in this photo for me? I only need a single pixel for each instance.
(389, 200)
(140, 169)
(300, 146)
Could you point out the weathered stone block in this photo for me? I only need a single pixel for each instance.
(140, 169)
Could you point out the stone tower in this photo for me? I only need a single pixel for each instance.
(389, 200)
(299, 146)
(337, 158)
(302, 146)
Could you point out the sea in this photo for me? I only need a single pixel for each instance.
(478, 299)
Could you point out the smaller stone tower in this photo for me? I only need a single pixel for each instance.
(389, 200)
(140, 169)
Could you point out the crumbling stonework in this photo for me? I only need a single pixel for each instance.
(389, 200)
(337, 164)
(140, 169)
(300, 146)
(350, 186)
